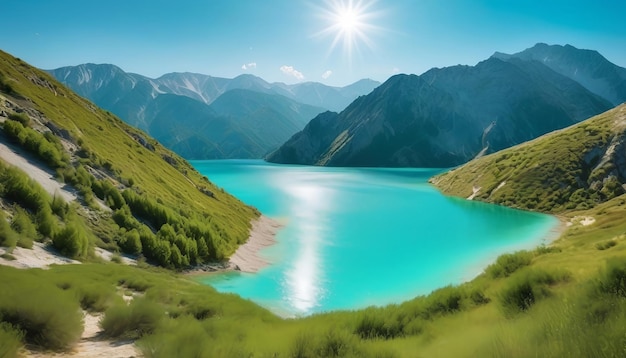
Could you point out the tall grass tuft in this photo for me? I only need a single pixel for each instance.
(337, 343)
(134, 321)
(48, 316)
(10, 341)
(605, 245)
(186, 338)
(377, 324)
(97, 297)
(507, 264)
(526, 287)
(8, 236)
(303, 346)
(612, 279)
(24, 226)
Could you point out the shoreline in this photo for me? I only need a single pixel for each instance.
(262, 235)
(246, 258)
(557, 232)
(548, 240)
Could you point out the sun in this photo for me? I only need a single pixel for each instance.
(348, 22)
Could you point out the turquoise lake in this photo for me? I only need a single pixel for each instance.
(356, 237)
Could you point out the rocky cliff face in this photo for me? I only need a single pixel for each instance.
(445, 117)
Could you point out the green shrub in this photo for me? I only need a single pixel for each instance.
(336, 343)
(46, 222)
(20, 117)
(183, 337)
(59, 207)
(117, 258)
(97, 297)
(506, 264)
(176, 258)
(162, 253)
(7, 256)
(10, 340)
(107, 192)
(303, 346)
(48, 148)
(200, 309)
(5, 86)
(21, 189)
(88, 196)
(134, 321)
(612, 279)
(138, 284)
(153, 212)
(24, 226)
(606, 245)
(542, 250)
(8, 237)
(48, 316)
(526, 287)
(376, 324)
(444, 300)
(72, 240)
(477, 297)
(124, 218)
(66, 174)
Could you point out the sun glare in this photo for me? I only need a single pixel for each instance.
(347, 20)
(348, 23)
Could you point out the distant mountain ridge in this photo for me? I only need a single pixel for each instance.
(186, 113)
(96, 80)
(239, 124)
(447, 116)
(587, 67)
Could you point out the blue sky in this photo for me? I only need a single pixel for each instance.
(291, 41)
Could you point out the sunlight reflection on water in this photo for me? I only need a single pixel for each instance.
(310, 201)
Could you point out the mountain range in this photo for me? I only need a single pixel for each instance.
(447, 116)
(184, 110)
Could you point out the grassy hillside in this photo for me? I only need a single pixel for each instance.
(571, 169)
(106, 158)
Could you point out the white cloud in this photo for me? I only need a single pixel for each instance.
(327, 74)
(395, 71)
(290, 71)
(248, 66)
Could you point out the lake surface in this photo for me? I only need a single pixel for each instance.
(357, 237)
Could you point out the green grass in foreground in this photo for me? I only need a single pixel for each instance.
(540, 309)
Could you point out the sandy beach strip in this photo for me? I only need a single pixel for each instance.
(262, 235)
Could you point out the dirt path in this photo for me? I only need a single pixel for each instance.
(92, 345)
